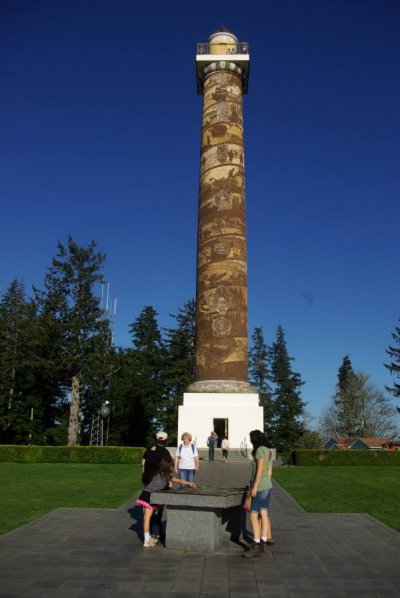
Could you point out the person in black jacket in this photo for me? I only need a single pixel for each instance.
(151, 460)
(161, 480)
(212, 442)
(152, 457)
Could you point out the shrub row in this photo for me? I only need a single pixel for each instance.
(70, 454)
(344, 457)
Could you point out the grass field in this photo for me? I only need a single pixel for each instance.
(29, 490)
(374, 490)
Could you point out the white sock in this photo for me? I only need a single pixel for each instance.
(146, 536)
(264, 538)
(257, 540)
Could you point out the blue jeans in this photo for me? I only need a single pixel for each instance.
(211, 452)
(187, 474)
(260, 501)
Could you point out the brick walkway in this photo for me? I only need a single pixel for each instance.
(97, 552)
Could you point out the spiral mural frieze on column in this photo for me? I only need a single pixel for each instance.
(221, 322)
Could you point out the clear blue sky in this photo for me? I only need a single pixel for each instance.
(100, 138)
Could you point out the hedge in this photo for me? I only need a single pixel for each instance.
(345, 457)
(70, 454)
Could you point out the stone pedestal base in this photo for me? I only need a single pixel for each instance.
(200, 530)
(201, 522)
(242, 410)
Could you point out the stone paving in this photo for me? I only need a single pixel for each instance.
(98, 553)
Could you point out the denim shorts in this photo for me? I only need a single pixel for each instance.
(260, 502)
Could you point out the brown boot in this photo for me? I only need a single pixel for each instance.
(264, 548)
(253, 551)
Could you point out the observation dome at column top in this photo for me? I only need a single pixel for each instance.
(222, 51)
(222, 42)
(222, 35)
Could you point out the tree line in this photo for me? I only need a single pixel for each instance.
(59, 365)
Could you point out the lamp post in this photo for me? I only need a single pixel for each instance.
(105, 414)
(97, 429)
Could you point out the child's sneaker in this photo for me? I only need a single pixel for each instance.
(150, 542)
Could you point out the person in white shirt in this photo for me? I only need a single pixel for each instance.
(186, 458)
(225, 448)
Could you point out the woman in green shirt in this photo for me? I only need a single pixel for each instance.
(261, 489)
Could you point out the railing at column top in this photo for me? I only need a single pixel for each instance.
(223, 48)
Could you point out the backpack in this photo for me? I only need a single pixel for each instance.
(181, 445)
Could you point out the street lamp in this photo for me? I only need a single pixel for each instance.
(97, 429)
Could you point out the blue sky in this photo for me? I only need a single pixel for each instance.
(100, 138)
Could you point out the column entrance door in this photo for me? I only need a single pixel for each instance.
(221, 429)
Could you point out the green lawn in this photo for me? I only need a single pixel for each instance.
(374, 490)
(29, 490)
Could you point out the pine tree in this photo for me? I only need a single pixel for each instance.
(17, 354)
(71, 315)
(345, 398)
(146, 363)
(259, 376)
(258, 368)
(394, 365)
(179, 364)
(101, 366)
(288, 407)
(345, 374)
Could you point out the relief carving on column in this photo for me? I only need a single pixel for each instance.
(221, 326)
(221, 342)
(222, 299)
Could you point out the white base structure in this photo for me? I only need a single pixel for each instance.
(233, 414)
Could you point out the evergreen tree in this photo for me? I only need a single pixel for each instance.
(128, 420)
(259, 376)
(345, 374)
(50, 381)
(179, 365)
(286, 426)
(101, 366)
(17, 354)
(258, 368)
(345, 398)
(72, 317)
(137, 389)
(394, 365)
(148, 363)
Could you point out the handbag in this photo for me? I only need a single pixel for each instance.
(247, 500)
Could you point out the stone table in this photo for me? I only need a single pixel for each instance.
(201, 519)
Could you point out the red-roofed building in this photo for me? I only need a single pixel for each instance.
(338, 442)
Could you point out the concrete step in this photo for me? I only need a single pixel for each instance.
(233, 455)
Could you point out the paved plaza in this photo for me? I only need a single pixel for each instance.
(98, 553)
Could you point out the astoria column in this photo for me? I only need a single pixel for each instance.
(222, 67)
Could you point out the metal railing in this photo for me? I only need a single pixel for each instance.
(223, 48)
